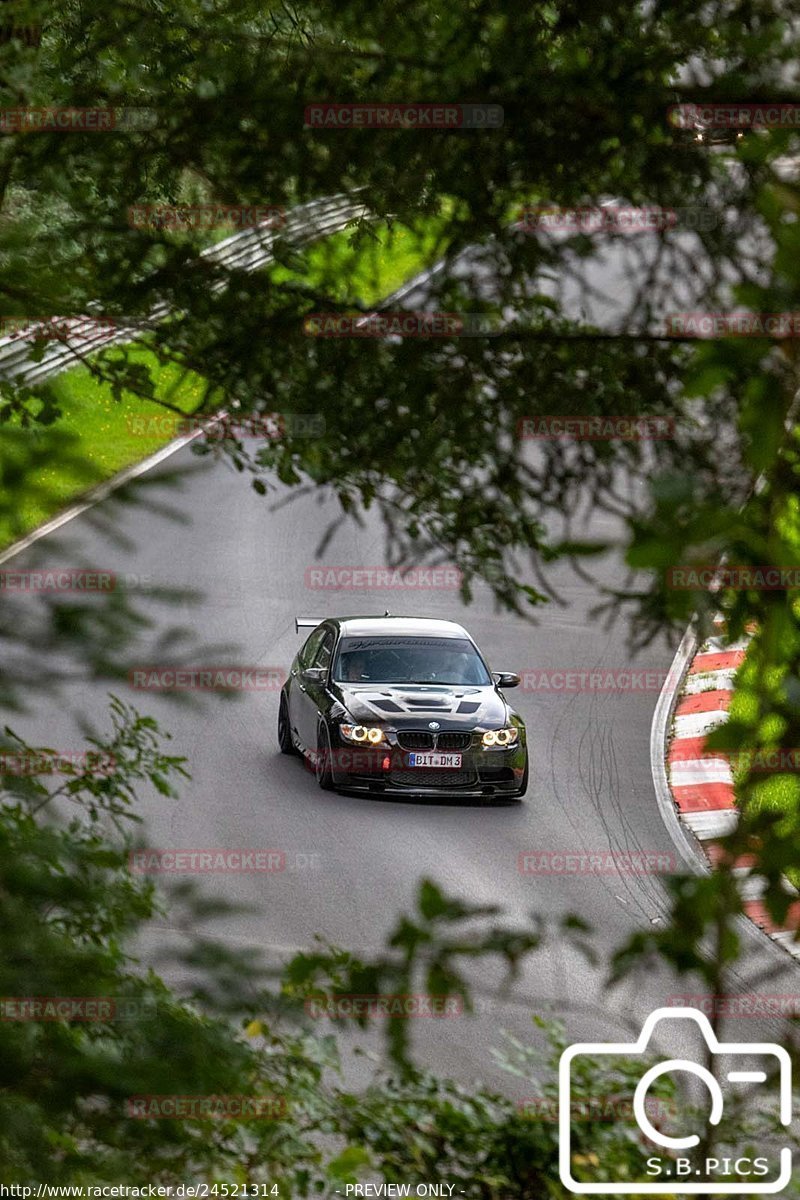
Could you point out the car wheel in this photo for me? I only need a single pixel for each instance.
(322, 762)
(285, 742)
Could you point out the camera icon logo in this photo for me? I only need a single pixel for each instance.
(668, 1165)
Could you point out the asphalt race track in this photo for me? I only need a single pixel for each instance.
(352, 864)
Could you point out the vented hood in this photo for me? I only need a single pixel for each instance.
(410, 706)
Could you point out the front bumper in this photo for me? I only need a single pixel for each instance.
(387, 772)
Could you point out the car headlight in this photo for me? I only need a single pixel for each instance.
(362, 735)
(501, 737)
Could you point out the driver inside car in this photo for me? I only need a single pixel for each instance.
(355, 666)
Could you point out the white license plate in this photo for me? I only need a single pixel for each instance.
(434, 760)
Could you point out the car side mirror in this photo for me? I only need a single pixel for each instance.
(506, 679)
(315, 674)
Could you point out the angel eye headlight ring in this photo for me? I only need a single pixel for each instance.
(501, 737)
(362, 734)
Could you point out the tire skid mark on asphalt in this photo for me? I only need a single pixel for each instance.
(643, 885)
(597, 728)
(598, 736)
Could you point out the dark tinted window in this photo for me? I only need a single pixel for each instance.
(312, 645)
(322, 656)
(409, 660)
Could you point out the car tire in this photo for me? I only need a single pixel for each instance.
(285, 741)
(322, 762)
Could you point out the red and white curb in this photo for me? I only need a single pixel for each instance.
(700, 783)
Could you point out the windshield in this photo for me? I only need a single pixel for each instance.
(409, 660)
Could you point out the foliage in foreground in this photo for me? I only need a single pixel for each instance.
(70, 908)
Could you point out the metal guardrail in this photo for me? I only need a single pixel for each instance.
(247, 250)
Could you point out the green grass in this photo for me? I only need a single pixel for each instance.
(374, 267)
(94, 438)
(97, 435)
(115, 432)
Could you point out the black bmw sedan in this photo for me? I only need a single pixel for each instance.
(402, 706)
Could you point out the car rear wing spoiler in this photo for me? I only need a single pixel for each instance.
(313, 622)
